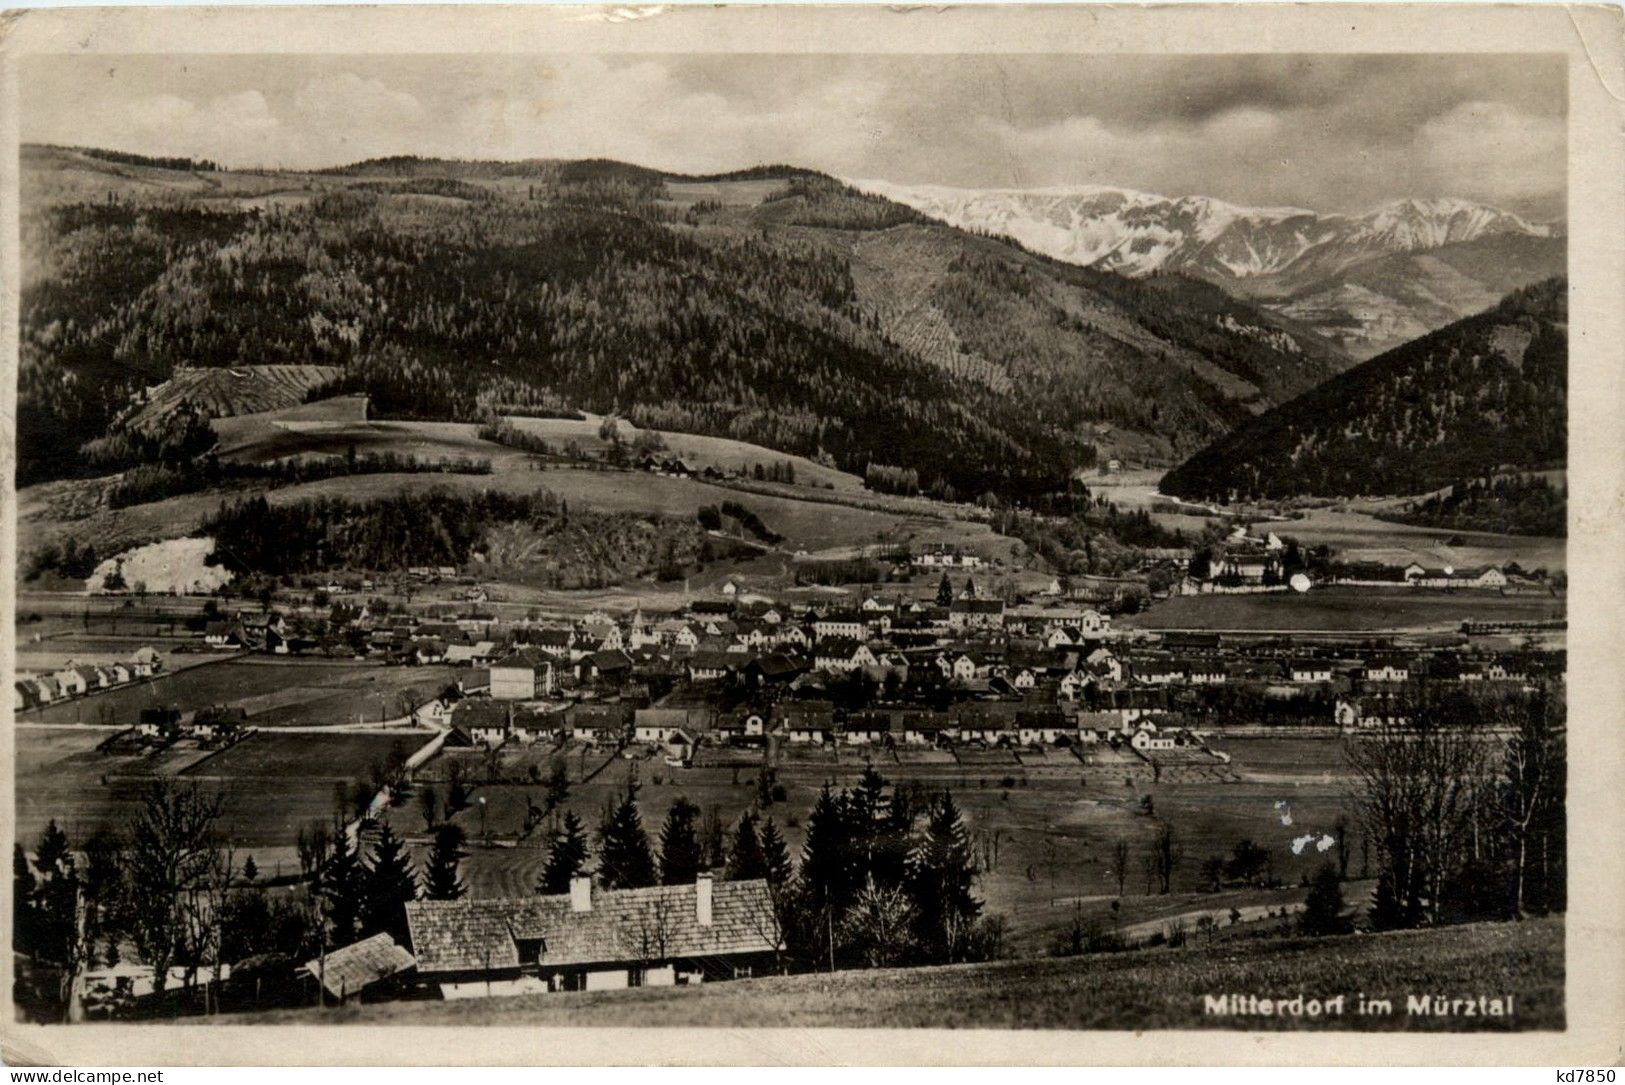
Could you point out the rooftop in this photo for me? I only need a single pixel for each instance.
(623, 925)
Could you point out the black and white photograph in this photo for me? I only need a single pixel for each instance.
(726, 537)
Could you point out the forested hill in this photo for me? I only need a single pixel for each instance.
(1487, 392)
(772, 305)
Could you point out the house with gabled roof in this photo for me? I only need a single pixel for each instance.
(593, 939)
(146, 662)
(744, 728)
(841, 624)
(523, 675)
(660, 724)
(918, 726)
(487, 723)
(70, 681)
(50, 689)
(599, 723)
(607, 665)
(774, 669)
(1154, 672)
(840, 655)
(1044, 727)
(1310, 670)
(868, 728)
(805, 723)
(966, 613)
(712, 665)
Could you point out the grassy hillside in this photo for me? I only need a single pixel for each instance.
(1150, 989)
(1487, 392)
(227, 392)
(776, 307)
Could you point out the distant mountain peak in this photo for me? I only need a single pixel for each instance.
(1420, 262)
(1137, 233)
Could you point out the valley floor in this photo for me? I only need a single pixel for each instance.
(1148, 989)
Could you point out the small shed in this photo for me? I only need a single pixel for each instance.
(350, 970)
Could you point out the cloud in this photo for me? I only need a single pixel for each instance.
(1337, 133)
(1492, 151)
(170, 124)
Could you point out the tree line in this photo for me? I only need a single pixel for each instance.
(156, 481)
(1506, 504)
(885, 876)
(1465, 806)
(437, 527)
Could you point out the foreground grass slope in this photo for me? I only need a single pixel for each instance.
(1153, 989)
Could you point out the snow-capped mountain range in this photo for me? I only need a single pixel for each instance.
(1290, 259)
(1136, 233)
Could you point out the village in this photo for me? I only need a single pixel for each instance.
(887, 669)
(745, 696)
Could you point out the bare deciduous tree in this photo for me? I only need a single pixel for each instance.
(1120, 852)
(172, 854)
(1419, 783)
(1163, 857)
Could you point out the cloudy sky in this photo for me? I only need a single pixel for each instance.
(1329, 133)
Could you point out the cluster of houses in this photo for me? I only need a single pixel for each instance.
(815, 722)
(210, 724)
(944, 556)
(80, 679)
(916, 673)
(1247, 563)
(1417, 575)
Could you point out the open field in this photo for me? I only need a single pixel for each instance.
(274, 784)
(1358, 536)
(811, 525)
(331, 759)
(263, 438)
(1045, 841)
(274, 692)
(67, 645)
(699, 451)
(1149, 989)
(1348, 527)
(1341, 608)
(331, 426)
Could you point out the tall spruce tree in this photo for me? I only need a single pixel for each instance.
(624, 858)
(342, 886)
(681, 856)
(828, 869)
(879, 830)
(53, 855)
(445, 861)
(1323, 908)
(566, 857)
(945, 591)
(941, 870)
(391, 882)
(23, 885)
(776, 865)
(745, 857)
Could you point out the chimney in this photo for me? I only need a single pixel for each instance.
(581, 893)
(702, 899)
